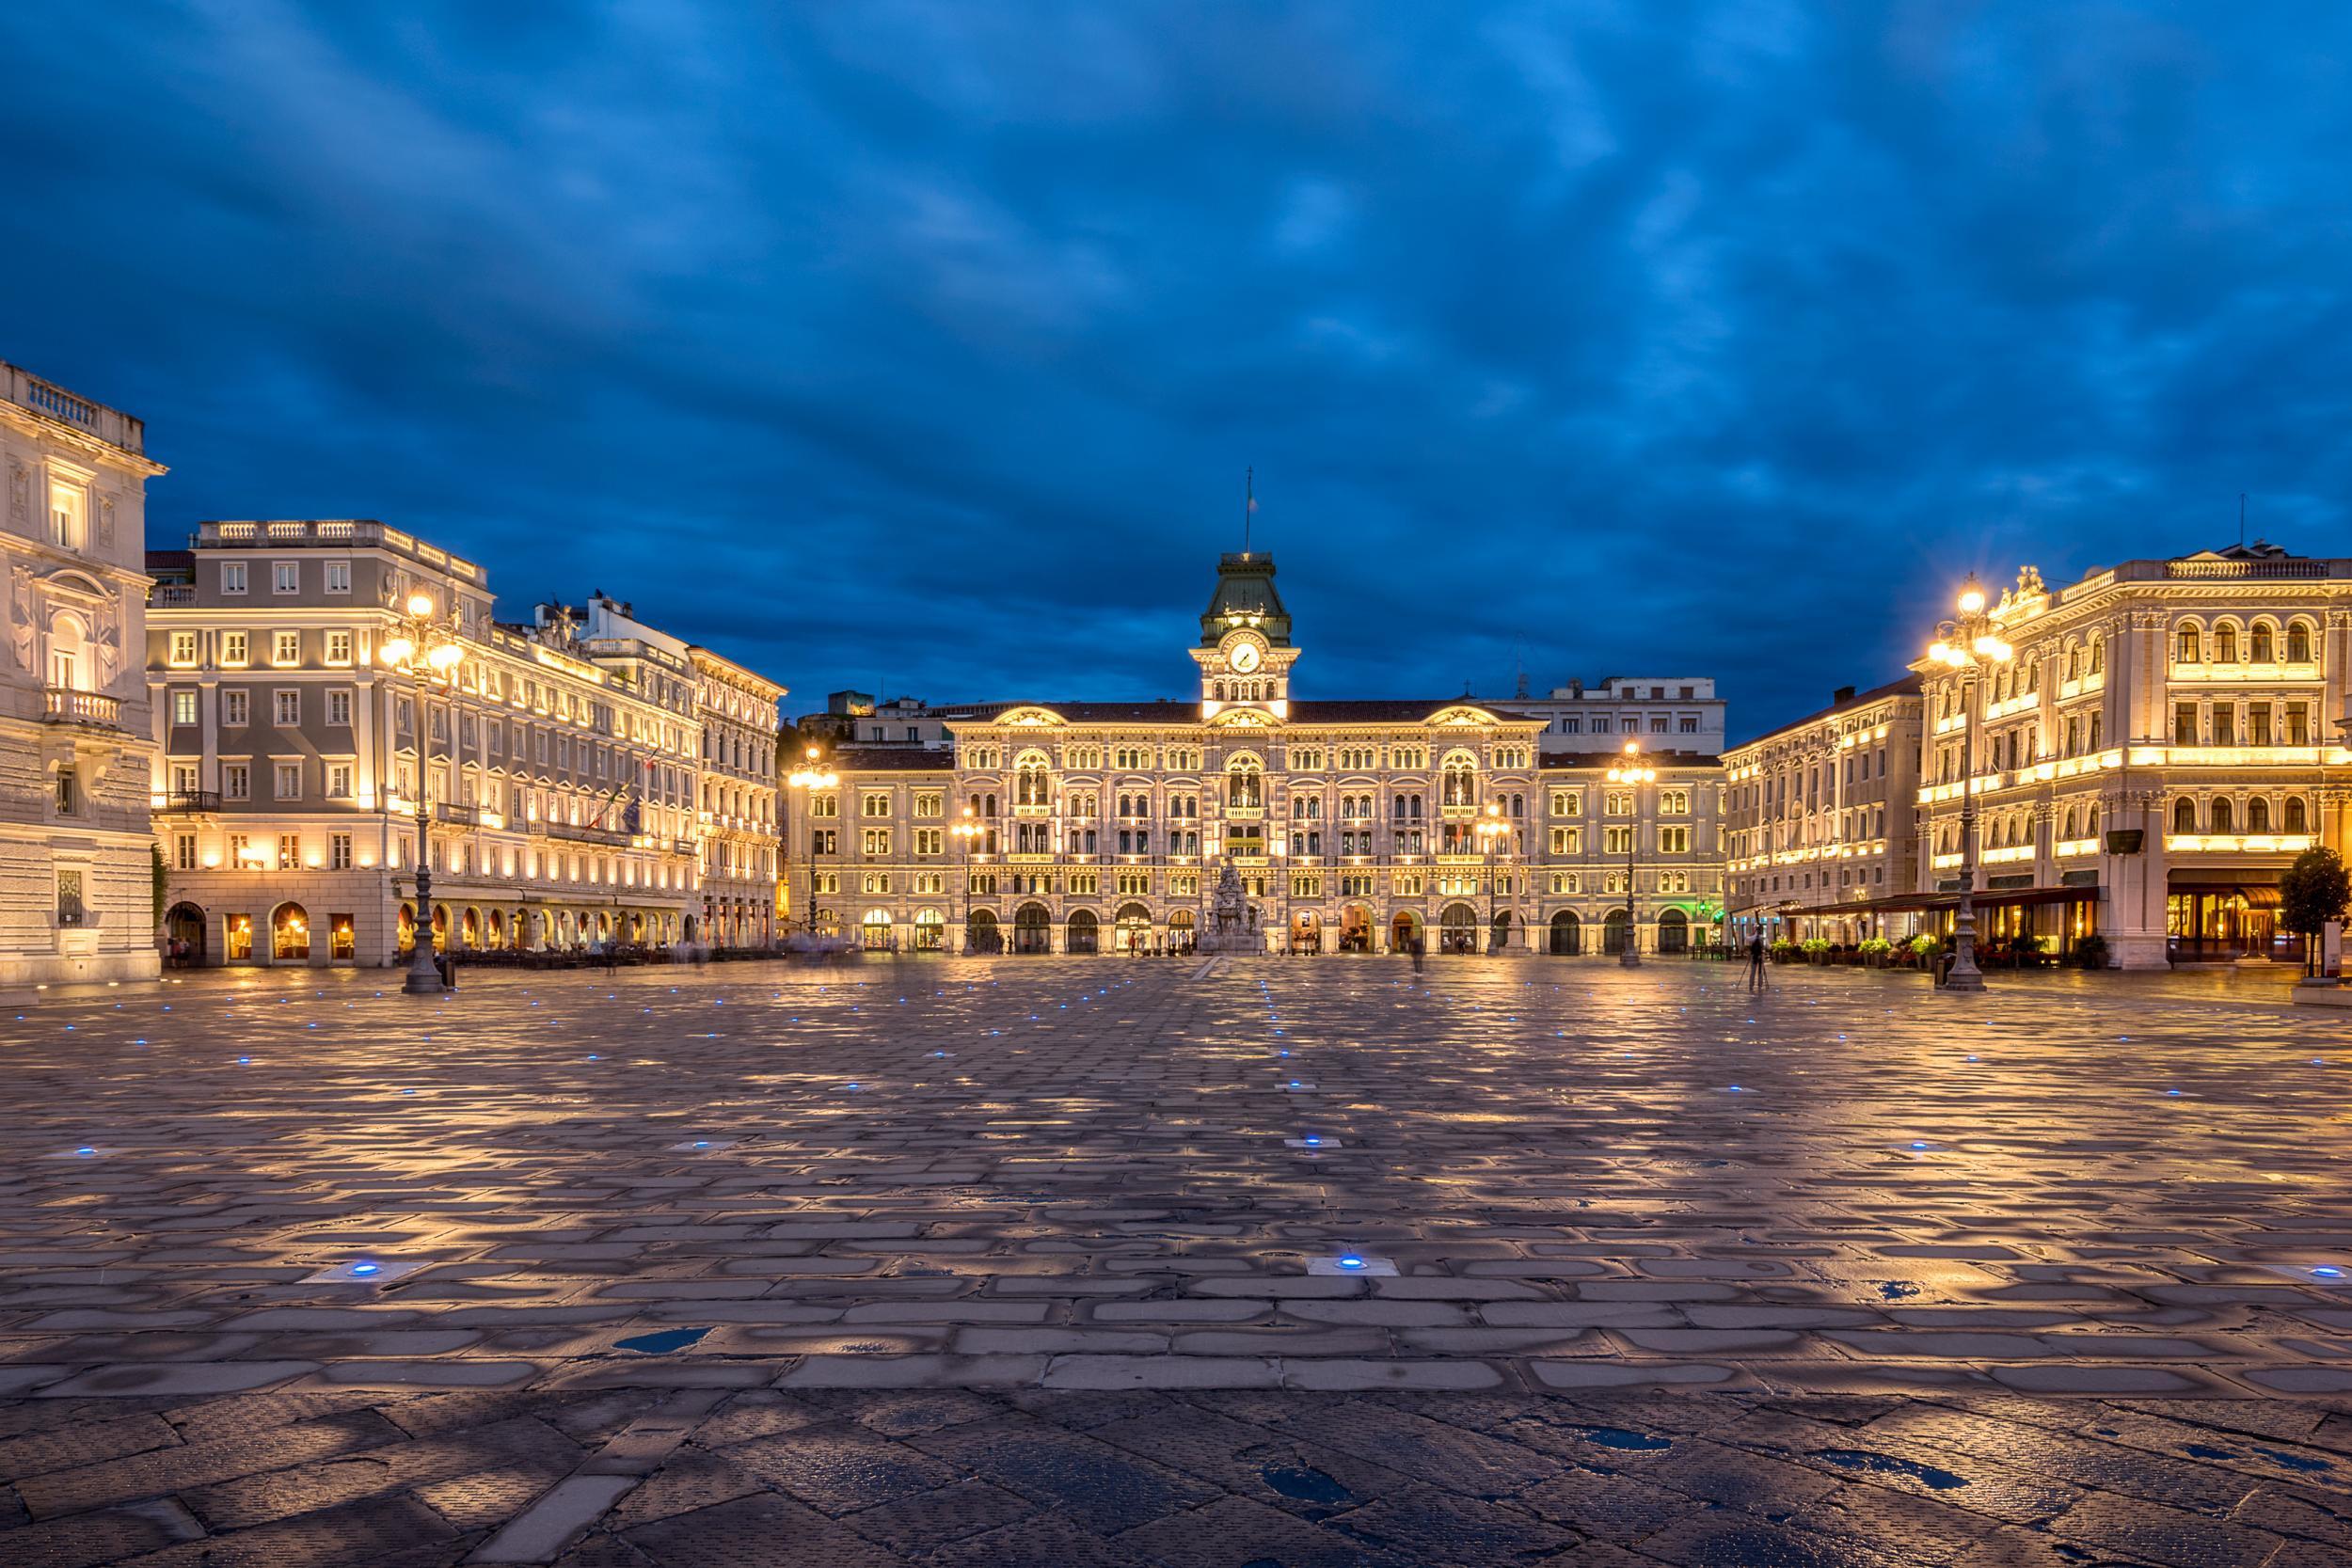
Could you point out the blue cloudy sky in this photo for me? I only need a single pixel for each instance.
(924, 345)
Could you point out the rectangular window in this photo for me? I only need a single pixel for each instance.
(285, 576)
(1617, 841)
(236, 708)
(69, 793)
(232, 647)
(183, 851)
(65, 518)
(339, 853)
(183, 648)
(183, 707)
(874, 804)
(286, 780)
(285, 647)
(339, 647)
(232, 577)
(339, 780)
(239, 852)
(1674, 841)
(2185, 725)
(2225, 726)
(339, 576)
(339, 707)
(289, 852)
(286, 709)
(2258, 724)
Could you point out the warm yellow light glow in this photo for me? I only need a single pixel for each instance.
(1940, 651)
(1971, 597)
(445, 656)
(420, 604)
(212, 863)
(395, 652)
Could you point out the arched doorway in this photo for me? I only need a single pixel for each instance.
(469, 928)
(1568, 934)
(1674, 932)
(1499, 939)
(981, 934)
(1305, 931)
(1458, 929)
(497, 927)
(1181, 938)
(1086, 932)
(876, 926)
(1032, 929)
(289, 934)
(1133, 926)
(183, 927)
(1354, 929)
(1404, 930)
(440, 928)
(1613, 933)
(931, 931)
(406, 930)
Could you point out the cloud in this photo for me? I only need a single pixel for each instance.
(925, 342)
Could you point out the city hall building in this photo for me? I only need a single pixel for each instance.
(1355, 826)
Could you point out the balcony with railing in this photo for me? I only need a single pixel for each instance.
(581, 833)
(166, 594)
(184, 801)
(65, 704)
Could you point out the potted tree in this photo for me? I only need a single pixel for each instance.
(2312, 891)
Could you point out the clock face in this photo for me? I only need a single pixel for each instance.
(1245, 656)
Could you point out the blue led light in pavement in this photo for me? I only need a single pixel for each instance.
(245, 1061)
(850, 1087)
(1312, 1142)
(2326, 1270)
(86, 1150)
(1351, 1263)
(2172, 1091)
(702, 1143)
(1916, 1145)
(365, 1268)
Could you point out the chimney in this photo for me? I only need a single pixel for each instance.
(1843, 694)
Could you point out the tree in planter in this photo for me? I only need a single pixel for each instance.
(2313, 891)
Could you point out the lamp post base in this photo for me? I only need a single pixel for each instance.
(1628, 958)
(424, 979)
(1971, 978)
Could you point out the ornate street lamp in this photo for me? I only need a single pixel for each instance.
(966, 833)
(425, 648)
(1969, 644)
(1491, 831)
(811, 775)
(1633, 772)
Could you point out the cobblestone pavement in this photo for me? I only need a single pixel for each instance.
(1079, 1262)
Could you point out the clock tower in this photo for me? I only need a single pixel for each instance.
(1244, 650)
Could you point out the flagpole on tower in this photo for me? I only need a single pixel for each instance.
(1248, 504)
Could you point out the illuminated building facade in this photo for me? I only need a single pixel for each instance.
(2162, 743)
(738, 825)
(1823, 833)
(76, 890)
(1355, 826)
(564, 757)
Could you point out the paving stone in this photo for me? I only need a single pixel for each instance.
(1099, 1485)
(1235, 1531)
(756, 1532)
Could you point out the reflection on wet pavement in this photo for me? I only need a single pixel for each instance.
(1562, 1232)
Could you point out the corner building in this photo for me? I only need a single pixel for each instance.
(563, 757)
(76, 882)
(2163, 743)
(1354, 826)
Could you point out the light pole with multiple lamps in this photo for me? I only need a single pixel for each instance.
(967, 833)
(425, 647)
(811, 776)
(1632, 772)
(1968, 643)
(1491, 829)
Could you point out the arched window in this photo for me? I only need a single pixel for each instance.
(2223, 815)
(1245, 784)
(2298, 642)
(2188, 646)
(1031, 783)
(2184, 816)
(2070, 824)
(2098, 655)
(2258, 816)
(69, 658)
(1458, 781)
(2297, 822)
(2261, 646)
(2074, 662)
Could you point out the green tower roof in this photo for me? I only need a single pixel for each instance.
(1245, 588)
